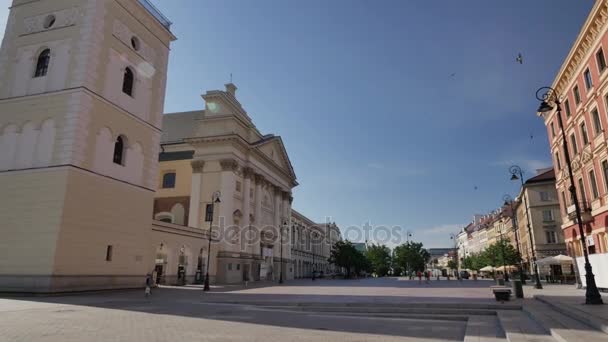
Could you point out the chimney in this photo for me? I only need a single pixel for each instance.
(231, 89)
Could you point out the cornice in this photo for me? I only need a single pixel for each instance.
(594, 25)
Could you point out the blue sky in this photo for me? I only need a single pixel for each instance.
(362, 94)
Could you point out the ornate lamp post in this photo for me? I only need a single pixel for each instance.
(509, 201)
(215, 198)
(408, 235)
(550, 100)
(517, 173)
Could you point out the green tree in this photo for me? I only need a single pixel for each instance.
(494, 256)
(344, 254)
(452, 265)
(411, 256)
(379, 257)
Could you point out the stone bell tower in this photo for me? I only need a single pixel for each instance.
(82, 86)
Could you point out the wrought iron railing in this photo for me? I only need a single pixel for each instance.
(156, 13)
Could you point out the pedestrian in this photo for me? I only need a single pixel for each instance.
(428, 277)
(419, 277)
(148, 285)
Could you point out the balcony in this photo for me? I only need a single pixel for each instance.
(156, 13)
(585, 212)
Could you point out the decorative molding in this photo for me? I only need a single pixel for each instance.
(259, 179)
(248, 172)
(197, 166)
(229, 165)
(63, 18)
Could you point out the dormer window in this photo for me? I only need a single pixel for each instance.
(42, 65)
(127, 82)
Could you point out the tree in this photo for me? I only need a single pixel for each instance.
(411, 256)
(493, 255)
(379, 257)
(452, 265)
(344, 254)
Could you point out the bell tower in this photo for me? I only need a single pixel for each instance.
(82, 87)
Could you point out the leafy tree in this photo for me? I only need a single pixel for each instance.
(379, 257)
(344, 254)
(493, 255)
(411, 256)
(452, 265)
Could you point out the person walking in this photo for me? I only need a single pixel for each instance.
(419, 274)
(148, 285)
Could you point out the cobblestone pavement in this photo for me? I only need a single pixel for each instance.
(183, 314)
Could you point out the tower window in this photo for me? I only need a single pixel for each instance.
(169, 180)
(119, 148)
(42, 66)
(127, 82)
(135, 43)
(49, 21)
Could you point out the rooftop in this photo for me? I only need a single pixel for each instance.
(156, 13)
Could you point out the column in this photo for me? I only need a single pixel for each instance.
(257, 216)
(226, 207)
(195, 194)
(247, 174)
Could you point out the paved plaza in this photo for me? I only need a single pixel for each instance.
(387, 309)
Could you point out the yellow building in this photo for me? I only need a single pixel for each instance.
(82, 87)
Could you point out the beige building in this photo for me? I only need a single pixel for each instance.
(311, 245)
(82, 87)
(219, 149)
(540, 194)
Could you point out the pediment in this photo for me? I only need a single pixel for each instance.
(274, 149)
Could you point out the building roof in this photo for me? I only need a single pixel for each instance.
(546, 176)
(179, 126)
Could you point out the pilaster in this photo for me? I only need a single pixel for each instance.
(195, 194)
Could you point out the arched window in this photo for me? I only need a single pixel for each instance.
(127, 82)
(169, 180)
(119, 149)
(42, 66)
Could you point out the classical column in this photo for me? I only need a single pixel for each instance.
(195, 194)
(257, 216)
(247, 174)
(287, 216)
(226, 207)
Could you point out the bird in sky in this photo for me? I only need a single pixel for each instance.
(475, 187)
(520, 59)
(452, 75)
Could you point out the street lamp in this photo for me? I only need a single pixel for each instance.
(408, 235)
(517, 173)
(215, 198)
(549, 101)
(509, 201)
(454, 237)
(281, 261)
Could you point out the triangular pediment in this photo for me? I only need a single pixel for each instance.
(273, 148)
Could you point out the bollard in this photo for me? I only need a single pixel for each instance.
(518, 288)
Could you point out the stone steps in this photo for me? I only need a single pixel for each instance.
(561, 327)
(388, 310)
(576, 314)
(518, 327)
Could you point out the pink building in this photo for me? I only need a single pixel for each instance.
(583, 87)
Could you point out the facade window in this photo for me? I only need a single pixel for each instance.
(119, 151)
(544, 196)
(584, 134)
(588, 80)
(42, 65)
(551, 236)
(581, 189)
(601, 60)
(558, 162)
(169, 180)
(238, 267)
(127, 82)
(547, 215)
(577, 95)
(552, 130)
(593, 184)
(597, 123)
(238, 186)
(564, 200)
(109, 253)
(567, 106)
(49, 21)
(229, 267)
(573, 142)
(135, 43)
(605, 171)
